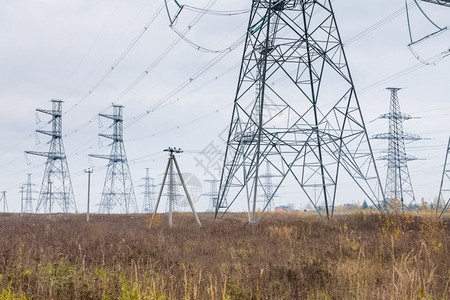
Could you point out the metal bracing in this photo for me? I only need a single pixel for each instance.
(305, 120)
(149, 192)
(56, 184)
(398, 182)
(443, 202)
(439, 2)
(118, 189)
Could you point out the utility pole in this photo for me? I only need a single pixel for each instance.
(308, 125)
(398, 181)
(89, 171)
(56, 168)
(169, 170)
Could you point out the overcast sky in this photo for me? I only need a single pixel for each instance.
(65, 50)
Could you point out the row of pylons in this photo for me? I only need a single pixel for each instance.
(295, 110)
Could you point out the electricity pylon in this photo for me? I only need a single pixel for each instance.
(439, 2)
(305, 119)
(149, 192)
(28, 199)
(172, 197)
(118, 188)
(443, 201)
(398, 181)
(5, 204)
(212, 194)
(56, 184)
(268, 188)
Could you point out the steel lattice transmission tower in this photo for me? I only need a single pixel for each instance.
(443, 201)
(305, 119)
(268, 188)
(56, 184)
(149, 192)
(439, 2)
(118, 188)
(28, 199)
(398, 182)
(212, 194)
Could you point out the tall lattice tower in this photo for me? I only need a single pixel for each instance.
(56, 184)
(443, 201)
(173, 195)
(267, 178)
(118, 188)
(149, 192)
(28, 199)
(305, 119)
(398, 182)
(212, 194)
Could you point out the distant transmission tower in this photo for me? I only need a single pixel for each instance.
(3, 198)
(212, 194)
(172, 193)
(149, 193)
(56, 184)
(118, 188)
(398, 181)
(443, 201)
(268, 188)
(28, 199)
(305, 119)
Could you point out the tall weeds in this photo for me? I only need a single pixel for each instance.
(296, 256)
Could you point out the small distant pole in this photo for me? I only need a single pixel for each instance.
(22, 188)
(50, 199)
(89, 171)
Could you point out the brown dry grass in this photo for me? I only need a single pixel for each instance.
(297, 256)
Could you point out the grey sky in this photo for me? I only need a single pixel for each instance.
(61, 49)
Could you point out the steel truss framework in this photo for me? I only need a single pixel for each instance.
(56, 184)
(443, 202)
(440, 2)
(28, 199)
(398, 181)
(212, 194)
(149, 192)
(118, 188)
(305, 119)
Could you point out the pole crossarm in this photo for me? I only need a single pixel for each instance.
(37, 153)
(101, 156)
(51, 133)
(114, 137)
(404, 136)
(50, 112)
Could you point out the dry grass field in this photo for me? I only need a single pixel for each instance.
(296, 256)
